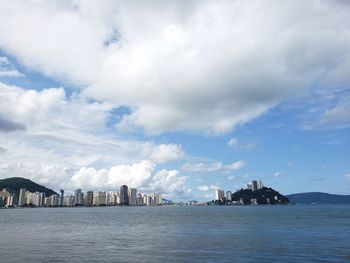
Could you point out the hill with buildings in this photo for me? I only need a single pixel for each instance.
(254, 194)
(261, 196)
(14, 184)
(318, 198)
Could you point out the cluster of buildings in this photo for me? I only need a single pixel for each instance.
(6, 198)
(126, 197)
(222, 197)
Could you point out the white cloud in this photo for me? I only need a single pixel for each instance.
(347, 175)
(63, 142)
(163, 152)
(233, 143)
(72, 126)
(212, 167)
(236, 165)
(142, 175)
(10, 73)
(194, 67)
(278, 174)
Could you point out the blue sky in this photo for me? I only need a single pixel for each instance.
(197, 100)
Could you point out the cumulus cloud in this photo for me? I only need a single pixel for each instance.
(163, 152)
(205, 67)
(347, 175)
(141, 175)
(212, 167)
(72, 126)
(66, 144)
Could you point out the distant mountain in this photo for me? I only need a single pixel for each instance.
(14, 184)
(318, 198)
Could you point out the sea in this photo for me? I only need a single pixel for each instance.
(285, 233)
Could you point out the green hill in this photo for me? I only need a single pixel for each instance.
(262, 196)
(14, 184)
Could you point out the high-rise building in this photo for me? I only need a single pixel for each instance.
(61, 198)
(139, 199)
(260, 185)
(254, 185)
(132, 195)
(38, 199)
(228, 196)
(158, 199)
(22, 197)
(124, 198)
(117, 195)
(100, 199)
(219, 194)
(89, 198)
(68, 200)
(6, 198)
(47, 201)
(78, 197)
(54, 200)
(30, 198)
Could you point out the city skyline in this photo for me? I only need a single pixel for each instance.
(125, 197)
(173, 98)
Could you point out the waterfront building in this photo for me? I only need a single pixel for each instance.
(111, 199)
(78, 197)
(254, 201)
(89, 197)
(132, 195)
(158, 199)
(60, 203)
(147, 200)
(29, 198)
(124, 197)
(68, 200)
(117, 195)
(228, 196)
(54, 200)
(139, 200)
(260, 185)
(38, 199)
(100, 199)
(6, 198)
(47, 201)
(219, 194)
(22, 197)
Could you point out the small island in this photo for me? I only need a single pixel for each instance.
(254, 194)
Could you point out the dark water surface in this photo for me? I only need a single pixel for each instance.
(176, 234)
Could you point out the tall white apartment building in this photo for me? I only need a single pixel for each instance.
(219, 194)
(22, 197)
(132, 192)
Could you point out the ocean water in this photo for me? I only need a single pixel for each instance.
(290, 233)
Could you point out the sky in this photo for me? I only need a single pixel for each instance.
(177, 97)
